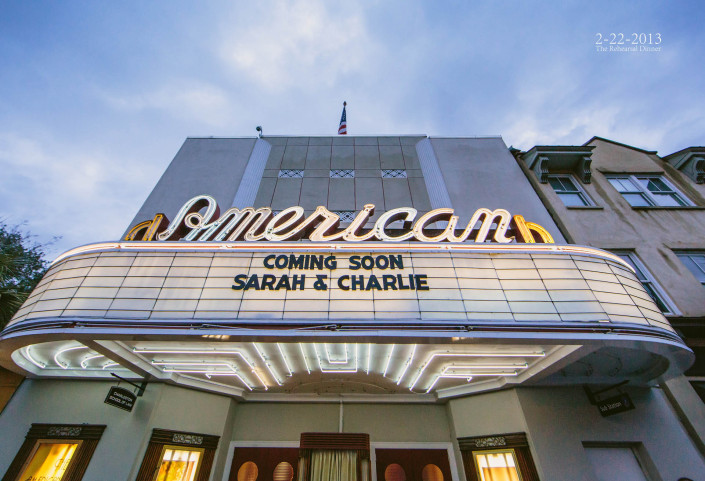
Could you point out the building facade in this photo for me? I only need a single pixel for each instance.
(364, 308)
(649, 210)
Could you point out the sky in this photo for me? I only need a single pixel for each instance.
(96, 97)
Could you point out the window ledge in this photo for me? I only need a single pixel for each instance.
(584, 207)
(659, 207)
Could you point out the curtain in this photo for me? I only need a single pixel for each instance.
(330, 465)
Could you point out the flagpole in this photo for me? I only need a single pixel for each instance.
(343, 126)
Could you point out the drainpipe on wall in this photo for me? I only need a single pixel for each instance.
(340, 422)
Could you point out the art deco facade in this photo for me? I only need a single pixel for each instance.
(384, 308)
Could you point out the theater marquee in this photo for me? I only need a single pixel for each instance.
(253, 319)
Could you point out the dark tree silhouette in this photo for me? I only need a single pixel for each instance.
(22, 266)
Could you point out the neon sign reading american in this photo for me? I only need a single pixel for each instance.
(199, 219)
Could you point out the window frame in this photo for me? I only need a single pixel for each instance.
(37, 445)
(689, 255)
(587, 200)
(164, 438)
(650, 283)
(517, 442)
(86, 436)
(645, 193)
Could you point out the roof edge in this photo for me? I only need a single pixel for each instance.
(597, 137)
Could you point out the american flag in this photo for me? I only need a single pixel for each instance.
(343, 128)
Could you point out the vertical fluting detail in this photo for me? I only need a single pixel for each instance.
(249, 185)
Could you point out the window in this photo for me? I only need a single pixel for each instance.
(177, 456)
(55, 452)
(648, 190)
(696, 263)
(648, 281)
(342, 174)
(499, 457)
(179, 464)
(291, 174)
(49, 460)
(394, 174)
(496, 465)
(569, 191)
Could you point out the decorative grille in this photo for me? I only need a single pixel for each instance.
(394, 174)
(345, 215)
(291, 174)
(187, 438)
(342, 174)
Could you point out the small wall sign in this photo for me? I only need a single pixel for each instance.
(615, 405)
(121, 398)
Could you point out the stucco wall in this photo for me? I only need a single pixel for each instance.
(653, 233)
(559, 420)
(120, 450)
(487, 414)
(556, 420)
(480, 172)
(202, 166)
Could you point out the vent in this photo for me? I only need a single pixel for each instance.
(342, 174)
(342, 441)
(345, 215)
(291, 174)
(394, 174)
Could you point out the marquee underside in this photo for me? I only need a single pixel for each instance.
(472, 318)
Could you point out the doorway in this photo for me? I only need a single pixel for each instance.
(264, 464)
(412, 464)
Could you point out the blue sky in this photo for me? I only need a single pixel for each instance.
(96, 97)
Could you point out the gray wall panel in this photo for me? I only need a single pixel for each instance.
(265, 194)
(388, 140)
(318, 157)
(341, 194)
(202, 166)
(343, 157)
(275, 157)
(396, 193)
(286, 193)
(367, 157)
(419, 194)
(391, 157)
(411, 158)
(294, 157)
(314, 192)
(481, 172)
(369, 191)
(320, 141)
